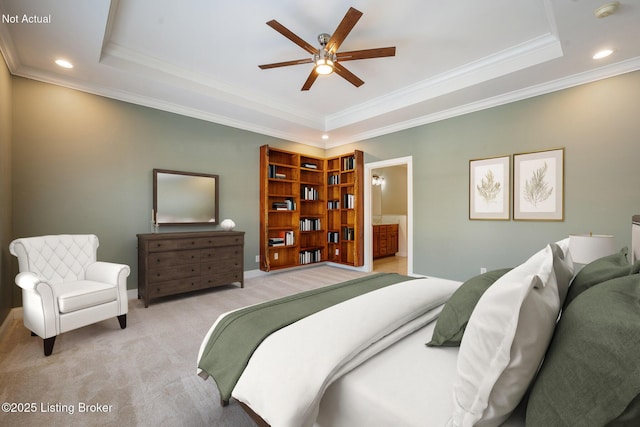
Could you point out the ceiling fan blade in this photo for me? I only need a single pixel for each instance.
(310, 80)
(291, 36)
(348, 75)
(366, 53)
(344, 28)
(286, 63)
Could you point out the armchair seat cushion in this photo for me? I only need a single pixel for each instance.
(82, 294)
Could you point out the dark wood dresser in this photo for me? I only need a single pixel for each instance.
(174, 263)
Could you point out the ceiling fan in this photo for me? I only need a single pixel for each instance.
(327, 58)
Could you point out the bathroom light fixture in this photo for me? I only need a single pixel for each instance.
(377, 180)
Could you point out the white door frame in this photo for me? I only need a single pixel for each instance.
(368, 235)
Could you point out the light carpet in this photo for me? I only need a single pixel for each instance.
(142, 375)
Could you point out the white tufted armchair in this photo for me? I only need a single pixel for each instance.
(64, 287)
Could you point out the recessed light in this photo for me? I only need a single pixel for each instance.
(64, 63)
(325, 136)
(603, 54)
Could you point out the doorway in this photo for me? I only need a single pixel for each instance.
(377, 211)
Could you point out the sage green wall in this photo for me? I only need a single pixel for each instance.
(83, 164)
(6, 280)
(597, 123)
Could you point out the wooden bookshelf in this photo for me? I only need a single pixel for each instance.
(303, 216)
(345, 212)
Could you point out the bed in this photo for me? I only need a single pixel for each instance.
(508, 347)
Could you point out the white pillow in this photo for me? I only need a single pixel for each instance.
(505, 341)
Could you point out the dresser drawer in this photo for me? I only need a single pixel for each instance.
(175, 272)
(173, 287)
(220, 265)
(162, 245)
(171, 258)
(222, 278)
(225, 253)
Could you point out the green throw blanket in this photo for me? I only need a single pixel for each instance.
(239, 333)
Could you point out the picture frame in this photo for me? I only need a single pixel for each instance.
(489, 188)
(538, 186)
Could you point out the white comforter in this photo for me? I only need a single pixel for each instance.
(289, 372)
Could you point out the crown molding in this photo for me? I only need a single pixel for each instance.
(524, 55)
(591, 76)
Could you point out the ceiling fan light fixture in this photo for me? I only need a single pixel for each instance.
(324, 66)
(324, 62)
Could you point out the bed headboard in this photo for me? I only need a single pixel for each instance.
(635, 238)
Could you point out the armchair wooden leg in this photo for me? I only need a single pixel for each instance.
(123, 321)
(48, 345)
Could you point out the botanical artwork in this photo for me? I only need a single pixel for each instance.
(489, 191)
(538, 187)
(538, 182)
(489, 188)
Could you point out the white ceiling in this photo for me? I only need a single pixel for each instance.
(200, 58)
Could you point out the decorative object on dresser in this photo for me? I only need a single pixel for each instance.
(310, 209)
(228, 225)
(385, 240)
(175, 263)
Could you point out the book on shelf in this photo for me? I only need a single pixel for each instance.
(275, 241)
(284, 238)
(309, 193)
(309, 165)
(349, 201)
(333, 237)
(310, 224)
(334, 179)
(333, 204)
(273, 173)
(348, 163)
(348, 233)
(289, 204)
(310, 256)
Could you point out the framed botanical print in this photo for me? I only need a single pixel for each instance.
(489, 188)
(538, 186)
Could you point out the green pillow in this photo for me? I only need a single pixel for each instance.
(591, 372)
(456, 312)
(599, 271)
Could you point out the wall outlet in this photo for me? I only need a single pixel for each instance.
(483, 270)
(275, 255)
(257, 258)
